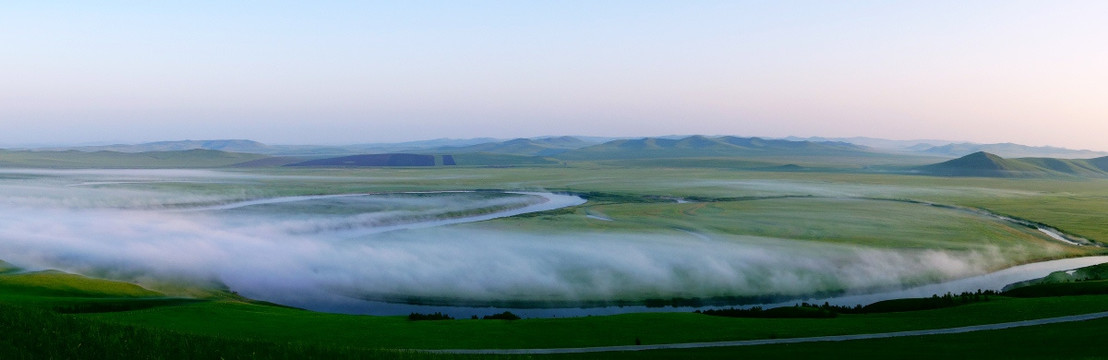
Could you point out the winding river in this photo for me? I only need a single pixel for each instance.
(991, 281)
(551, 201)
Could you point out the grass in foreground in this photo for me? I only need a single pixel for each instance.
(29, 333)
(1077, 340)
(237, 320)
(234, 329)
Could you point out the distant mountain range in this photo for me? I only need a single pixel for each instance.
(542, 146)
(1011, 150)
(983, 164)
(676, 151)
(703, 146)
(577, 147)
(547, 146)
(948, 148)
(72, 159)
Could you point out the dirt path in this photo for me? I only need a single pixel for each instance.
(957, 330)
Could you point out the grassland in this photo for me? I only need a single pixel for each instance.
(72, 159)
(866, 210)
(251, 330)
(1075, 205)
(1056, 341)
(853, 221)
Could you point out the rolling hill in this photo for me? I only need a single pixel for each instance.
(702, 146)
(983, 164)
(547, 146)
(400, 159)
(230, 145)
(1010, 150)
(371, 160)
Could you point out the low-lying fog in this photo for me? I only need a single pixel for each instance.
(308, 251)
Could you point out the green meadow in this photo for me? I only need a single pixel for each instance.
(59, 315)
(239, 328)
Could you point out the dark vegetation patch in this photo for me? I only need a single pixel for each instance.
(432, 317)
(931, 303)
(725, 300)
(372, 160)
(786, 312)
(507, 315)
(448, 160)
(806, 310)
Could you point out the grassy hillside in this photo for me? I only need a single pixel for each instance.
(701, 146)
(1010, 150)
(6, 267)
(530, 147)
(983, 164)
(371, 160)
(1088, 280)
(56, 283)
(73, 159)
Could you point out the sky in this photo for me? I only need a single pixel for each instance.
(337, 72)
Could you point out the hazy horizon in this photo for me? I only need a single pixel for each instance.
(334, 73)
(94, 144)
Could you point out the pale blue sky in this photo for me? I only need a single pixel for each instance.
(347, 72)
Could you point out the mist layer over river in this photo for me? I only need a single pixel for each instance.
(365, 253)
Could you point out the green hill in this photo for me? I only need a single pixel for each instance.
(57, 283)
(490, 159)
(73, 159)
(230, 145)
(6, 267)
(702, 146)
(371, 160)
(1008, 150)
(461, 159)
(532, 147)
(983, 164)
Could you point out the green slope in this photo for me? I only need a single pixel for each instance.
(530, 147)
(1009, 150)
(707, 147)
(56, 283)
(6, 267)
(983, 164)
(491, 159)
(163, 328)
(1065, 166)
